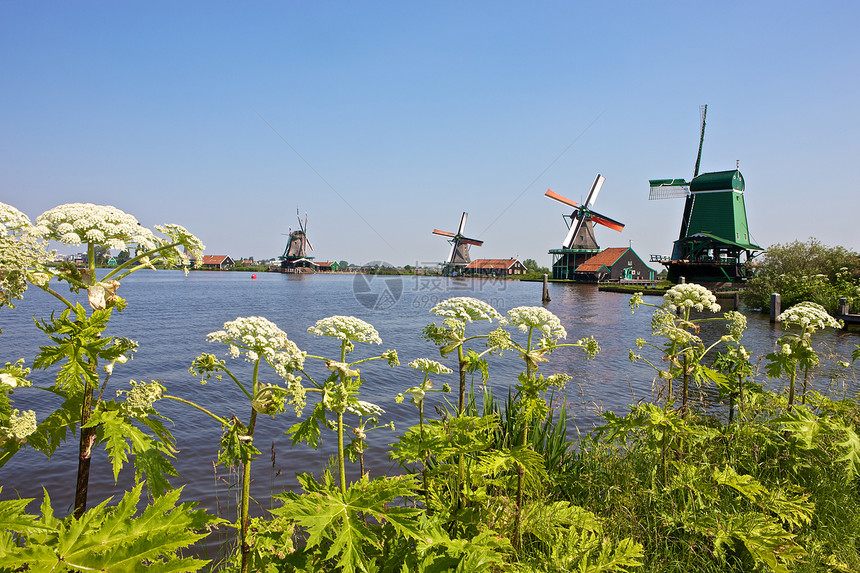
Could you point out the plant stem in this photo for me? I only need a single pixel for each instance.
(88, 436)
(193, 405)
(246, 480)
(424, 453)
(340, 457)
(805, 381)
(520, 469)
(243, 524)
(791, 387)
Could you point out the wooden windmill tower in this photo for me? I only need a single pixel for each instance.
(295, 258)
(714, 244)
(579, 244)
(459, 256)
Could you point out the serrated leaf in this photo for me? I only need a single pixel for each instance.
(850, 452)
(115, 539)
(803, 424)
(308, 431)
(118, 434)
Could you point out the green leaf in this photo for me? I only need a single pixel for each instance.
(116, 539)
(118, 434)
(803, 424)
(332, 519)
(309, 430)
(850, 451)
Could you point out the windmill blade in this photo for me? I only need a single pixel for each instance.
(703, 112)
(462, 226)
(606, 221)
(443, 233)
(468, 241)
(453, 250)
(668, 189)
(553, 195)
(310, 246)
(595, 190)
(571, 234)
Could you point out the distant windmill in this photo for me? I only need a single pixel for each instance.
(295, 258)
(459, 256)
(714, 244)
(579, 244)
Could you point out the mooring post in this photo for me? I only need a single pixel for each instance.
(545, 297)
(775, 306)
(843, 307)
(737, 300)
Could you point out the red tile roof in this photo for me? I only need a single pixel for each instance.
(492, 263)
(214, 259)
(605, 258)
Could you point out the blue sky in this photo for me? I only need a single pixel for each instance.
(383, 120)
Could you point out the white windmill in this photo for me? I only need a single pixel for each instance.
(579, 244)
(459, 256)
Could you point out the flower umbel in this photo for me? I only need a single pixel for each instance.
(258, 337)
(690, 296)
(429, 366)
(466, 309)
(537, 317)
(346, 328)
(12, 220)
(77, 223)
(809, 316)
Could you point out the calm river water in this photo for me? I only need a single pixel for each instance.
(170, 314)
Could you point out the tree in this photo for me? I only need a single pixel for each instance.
(799, 272)
(532, 267)
(343, 265)
(102, 255)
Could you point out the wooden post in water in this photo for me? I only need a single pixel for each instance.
(775, 306)
(737, 300)
(545, 299)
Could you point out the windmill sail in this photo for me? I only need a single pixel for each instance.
(459, 255)
(580, 234)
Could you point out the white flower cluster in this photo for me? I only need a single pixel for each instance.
(193, 247)
(558, 380)
(526, 317)
(430, 366)
(809, 316)
(691, 296)
(678, 335)
(259, 337)
(11, 220)
(362, 408)
(14, 375)
(346, 328)
(466, 309)
(78, 223)
(8, 380)
(736, 323)
(141, 396)
(21, 425)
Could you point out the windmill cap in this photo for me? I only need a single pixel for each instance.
(718, 181)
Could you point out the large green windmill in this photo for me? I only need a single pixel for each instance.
(714, 244)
